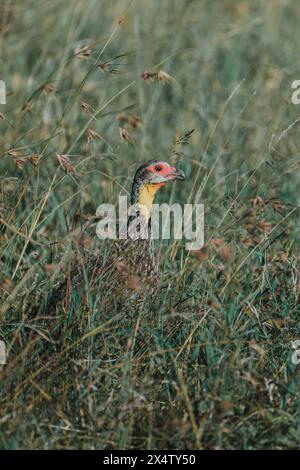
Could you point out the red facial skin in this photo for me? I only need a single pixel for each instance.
(162, 169)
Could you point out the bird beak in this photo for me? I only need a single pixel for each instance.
(177, 175)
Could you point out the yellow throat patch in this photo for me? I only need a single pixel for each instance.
(145, 200)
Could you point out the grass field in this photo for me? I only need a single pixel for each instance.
(207, 364)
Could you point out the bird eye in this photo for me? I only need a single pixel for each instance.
(158, 168)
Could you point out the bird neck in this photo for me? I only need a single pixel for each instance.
(145, 199)
(139, 220)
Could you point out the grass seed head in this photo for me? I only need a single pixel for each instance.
(84, 52)
(86, 108)
(148, 76)
(125, 135)
(264, 226)
(18, 159)
(92, 135)
(35, 159)
(49, 89)
(164, 77)
(65, 163)
(134, 121)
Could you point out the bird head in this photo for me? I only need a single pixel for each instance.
(150, 177)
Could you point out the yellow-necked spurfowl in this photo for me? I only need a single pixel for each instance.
(128, 268)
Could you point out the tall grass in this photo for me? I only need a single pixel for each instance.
(207, 364)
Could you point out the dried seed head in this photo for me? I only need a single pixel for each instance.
(65, 163)
(106, 68)
(121, 117)
(103, 66)
(133, 121)
(83, 52)
(164, 77)
(13, 153)
(35, 159)
(92, 135)
(125, 135)
(18, 159)
(2, 117)
(264, 226)
(146, 75)
(258, 201)
(86, 108)
(277, 205)
(160, 76)
(248, 241)
(49, 89)
(180, 141)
